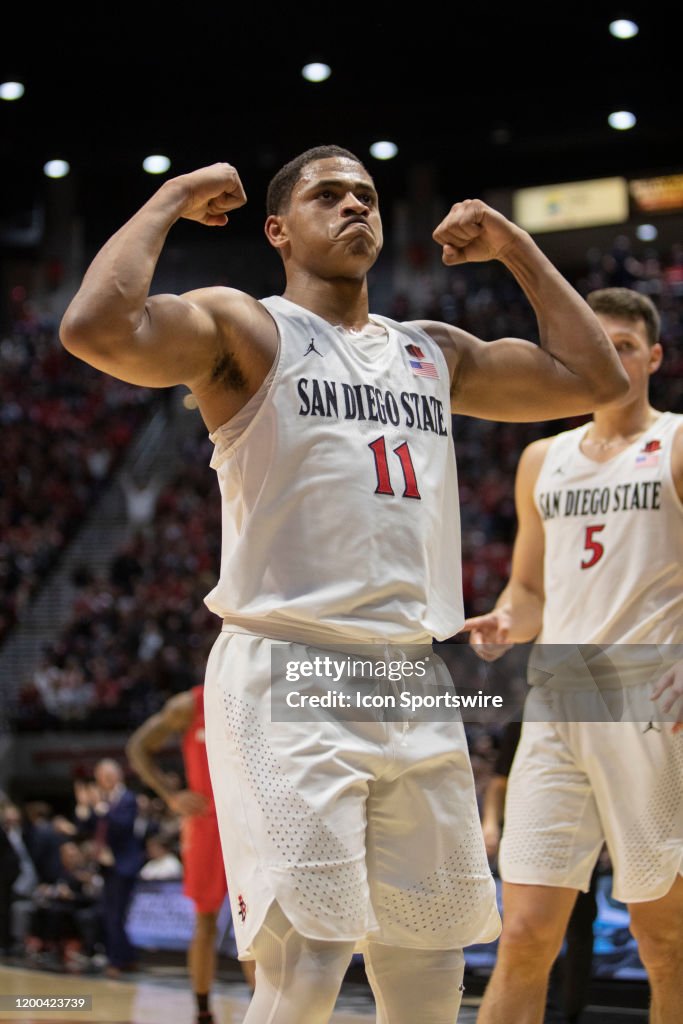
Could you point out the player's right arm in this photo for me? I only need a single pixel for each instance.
(518, 614)
(215, 340)
(174, 719)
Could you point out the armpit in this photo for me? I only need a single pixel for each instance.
(226, 370)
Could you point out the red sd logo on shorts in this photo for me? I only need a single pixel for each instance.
(242, 907)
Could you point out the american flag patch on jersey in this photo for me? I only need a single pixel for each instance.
(648, 455)
(419, 364)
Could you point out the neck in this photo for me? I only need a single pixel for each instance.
(627, 421)
(339, 301)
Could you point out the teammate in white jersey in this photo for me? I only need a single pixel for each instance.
(598, 559)
(337, 473)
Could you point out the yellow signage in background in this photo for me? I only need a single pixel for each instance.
(573, 204)
(655, 195)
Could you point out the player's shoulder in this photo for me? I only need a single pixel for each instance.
(449, 339)
(226, 302)
(677, 454)
(532, 458)
(536, 451)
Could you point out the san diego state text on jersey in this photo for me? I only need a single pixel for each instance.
(366, 402)
(590, 501)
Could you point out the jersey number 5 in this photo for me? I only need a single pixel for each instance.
(596, 549)
(379, 450)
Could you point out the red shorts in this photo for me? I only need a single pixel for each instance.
(205, 882)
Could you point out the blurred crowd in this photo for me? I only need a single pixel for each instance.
(142, 633)
(64, 429)
(58, 872)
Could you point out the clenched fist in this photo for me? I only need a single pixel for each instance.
(209, 193)
(472, 232)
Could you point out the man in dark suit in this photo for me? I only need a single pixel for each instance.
(107, 809)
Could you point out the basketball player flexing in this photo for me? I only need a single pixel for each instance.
(598, 559)
(204, 875)
(335, 460)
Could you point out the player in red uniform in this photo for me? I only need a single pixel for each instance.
(205, 883)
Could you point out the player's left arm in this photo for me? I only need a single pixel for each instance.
(574, 370)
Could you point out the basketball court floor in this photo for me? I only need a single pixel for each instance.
(157, 998)
(162, 996)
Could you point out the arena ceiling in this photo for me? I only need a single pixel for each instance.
(491, 95)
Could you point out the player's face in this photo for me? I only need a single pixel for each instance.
(332, 227)
(639, 359)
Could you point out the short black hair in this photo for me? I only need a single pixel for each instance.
(629, 305)
(280, 188)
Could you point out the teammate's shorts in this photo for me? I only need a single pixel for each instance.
(203, 869)
(575, 785)
(357, 829)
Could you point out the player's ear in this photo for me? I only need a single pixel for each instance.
(276, 231)
(656, 356)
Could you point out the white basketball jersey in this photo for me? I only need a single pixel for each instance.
(613, 541)
(340, 499)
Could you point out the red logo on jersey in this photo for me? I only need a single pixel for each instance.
(651, 446)
(415, 351)
(243, 907)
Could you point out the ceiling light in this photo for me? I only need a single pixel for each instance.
(383, 150)
(56, 168)
(156, 164)
(621, 120)
(11, 91)
(622, 28)
(316, 72)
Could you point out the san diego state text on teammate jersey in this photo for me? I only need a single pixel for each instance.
(589, 501)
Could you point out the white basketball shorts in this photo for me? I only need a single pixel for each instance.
(357, 829)
(575, 785)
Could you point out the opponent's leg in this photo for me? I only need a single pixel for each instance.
(297, 979)
(658, 929)
(411, 985)
(201, 962)
(534, 922)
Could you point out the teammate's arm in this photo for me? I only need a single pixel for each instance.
(574, 370)
(200, 338)
(518, 614)
(677, 462)
(173, 720)
(669, 689)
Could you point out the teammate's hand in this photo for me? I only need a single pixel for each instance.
(489, 634)
(209, 193)
(188, 803)
(472, 232)
(671, 684)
